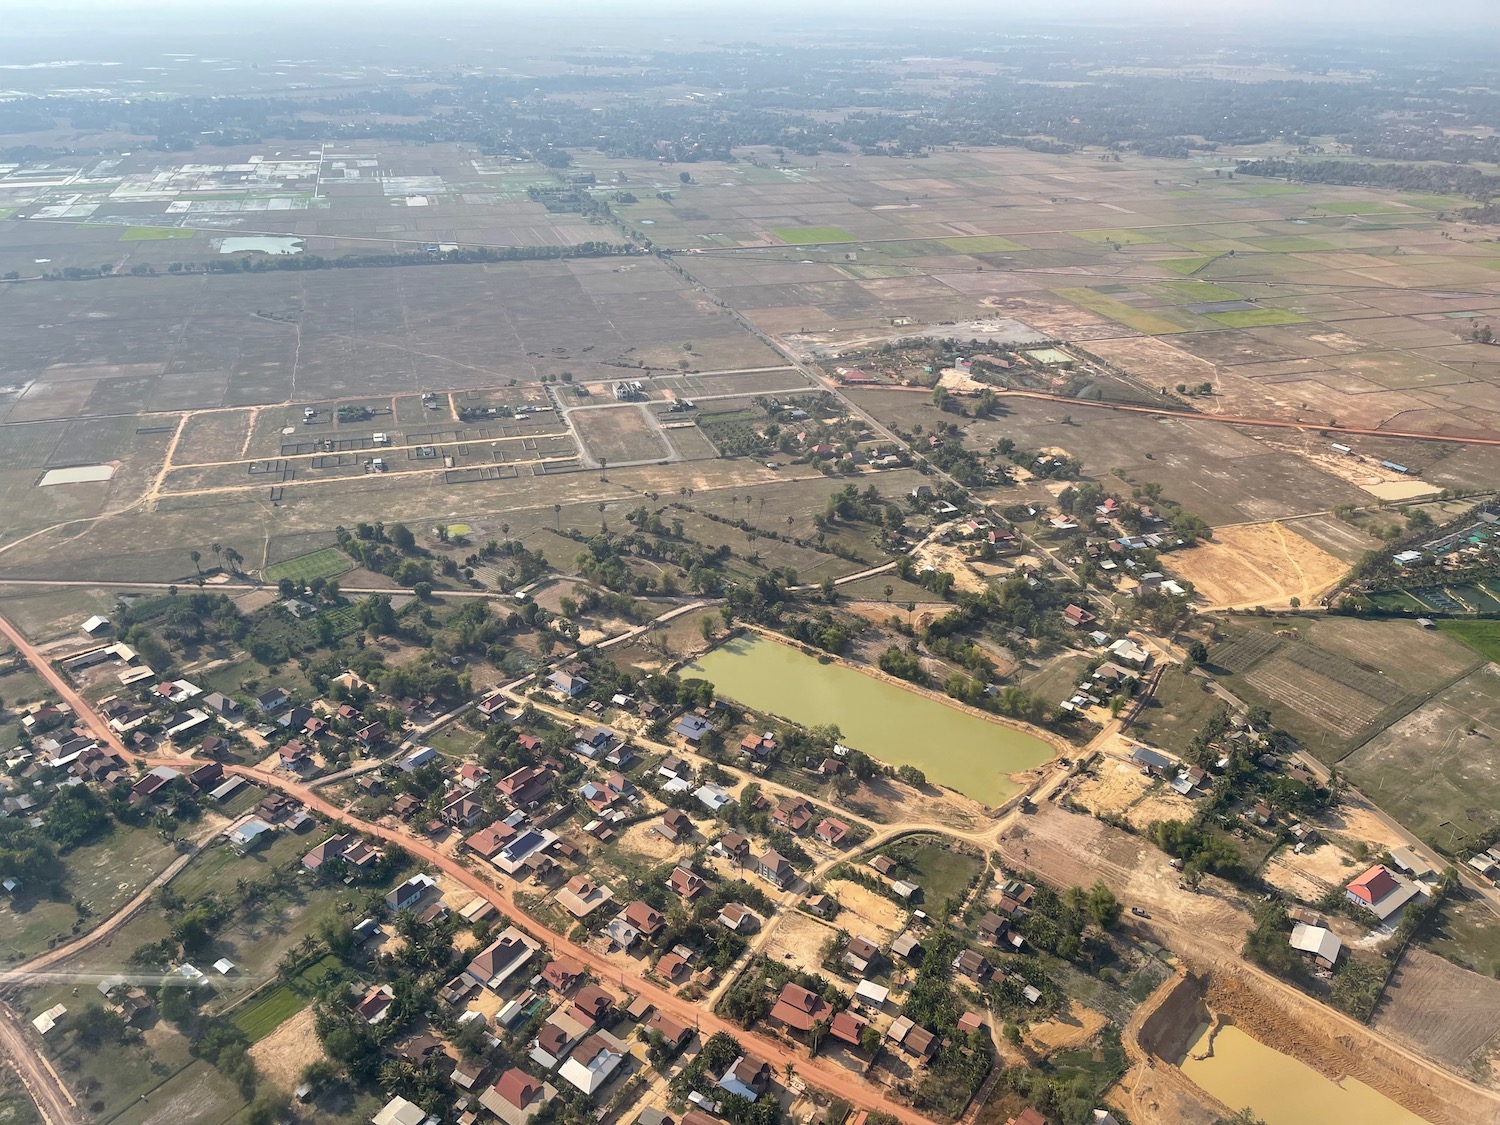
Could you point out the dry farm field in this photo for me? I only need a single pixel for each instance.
(1446, 1013)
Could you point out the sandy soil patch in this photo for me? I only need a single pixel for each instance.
(940, 556)
(864, 912)
(1401, 489)
(1122, 790)
(952, 379)
(800, 936)
(1309, 876)
(894, 802)
(643, 840)
(1256, 564)
(283, 1055)
(1061, 1032)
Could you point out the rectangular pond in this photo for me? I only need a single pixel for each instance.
(1242, 1071)
(952, 747)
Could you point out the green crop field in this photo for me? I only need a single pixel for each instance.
(980, 244)
(1123, 237)
(1482, 636)
(811, 236)
(154, 234)
(1256, 318)
(330, 562)
(1185, 266)
(1128, 315)
(1194, 292)
(1343, 207)
(265, 1015)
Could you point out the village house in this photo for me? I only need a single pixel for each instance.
(644, 919)
(582, 896)
(793, 814)
(831, 831)
(501, 959)
(737, 918)
(797, 1009)
(676, 826)
(686, 883)
(1380, 892)
(517, 1097)
(772, 866)
(747, 1077)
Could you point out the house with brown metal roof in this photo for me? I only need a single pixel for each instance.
(798, 1009)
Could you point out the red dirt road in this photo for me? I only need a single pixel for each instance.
(97, 726)
(816, 1072)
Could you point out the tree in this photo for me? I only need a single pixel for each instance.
(1198, 652)
(829, 590)
(708, 626)
(889, 590)
(685, 177)
(195, 556)
(557, 514)
(402, 537)
(1102, 907)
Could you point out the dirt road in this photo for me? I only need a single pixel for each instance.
(835, 1080)
(97, 726)
(52, 1099)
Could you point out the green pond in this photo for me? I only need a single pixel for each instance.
(1280, 1090)
(951, 747)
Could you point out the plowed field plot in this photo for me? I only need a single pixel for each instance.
(1312, 683)
(619, 434)
(1446, 1013)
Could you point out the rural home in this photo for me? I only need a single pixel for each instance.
(1380, 892)
(501, 959)
(774, 868)
(517, 1097)
(747, 1077)
(798, 1009)
(1321, 945)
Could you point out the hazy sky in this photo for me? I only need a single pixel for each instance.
(1433, 15)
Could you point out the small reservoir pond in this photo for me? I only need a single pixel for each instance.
(951, 747)
(1279, 1089)
(261, 244)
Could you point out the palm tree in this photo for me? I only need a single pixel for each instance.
(195, 556)
(216, 549)
(557, 514)
(889, 590)
(791, 1071)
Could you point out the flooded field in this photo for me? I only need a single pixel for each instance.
(952, 748)
(1280, 1090)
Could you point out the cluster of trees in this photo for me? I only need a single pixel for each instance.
(1443, 179)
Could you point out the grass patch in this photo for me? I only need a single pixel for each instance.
(265, 1015)
(1185, 266)
(811, 236)
(330, 562)
(1256, 318)
(1352, 207)
(154, 234)
(942, 873)
(1291, 244)
(1123, 237)
(1193, 292)
(980, 244)
(459, 530)
(1262, 190)
(1119, 311)
(1482, 636)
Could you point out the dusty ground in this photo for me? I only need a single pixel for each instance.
(1256, 564)
(1074, 848)
(896, 803)
(1071, 1029)
(643, 840)
(801, 936)
(1121, 789)
(283, 1055)
(942, 557)
(1312, 874)
(865, 912)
